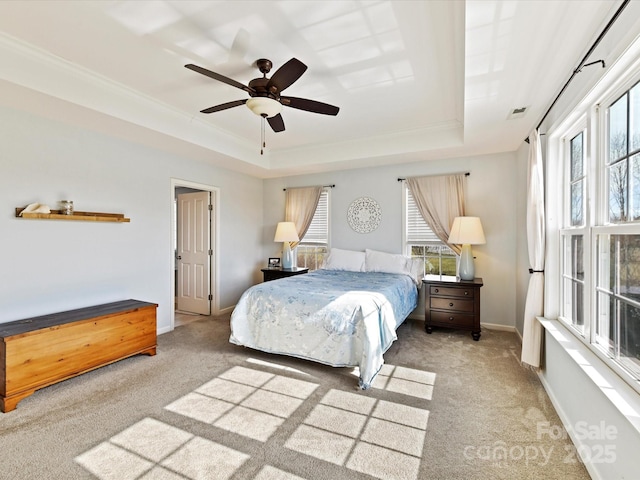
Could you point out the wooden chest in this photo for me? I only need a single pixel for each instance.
(36, 352)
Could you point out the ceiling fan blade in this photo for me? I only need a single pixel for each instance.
(286, 75)
(309, 105)
(220, 78)
(276, 122)
(224, 106)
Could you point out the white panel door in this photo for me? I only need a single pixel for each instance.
(193, 257)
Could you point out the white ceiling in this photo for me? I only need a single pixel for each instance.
(414, 80)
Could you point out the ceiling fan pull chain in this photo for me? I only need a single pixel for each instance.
(263, 144)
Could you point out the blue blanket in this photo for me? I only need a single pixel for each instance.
(334, 317)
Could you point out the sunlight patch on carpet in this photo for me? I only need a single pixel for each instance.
(275, 365)
(151, 439)
(160, 451)
(245, 401)
(272, 473)
(203, 459)
(408, 381)
(380, 438)
(383, 463)
(109, 462)
(354, 431)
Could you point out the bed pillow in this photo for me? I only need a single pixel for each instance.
(385, 262)
(392, 263)
(417, 270)
(349, 260)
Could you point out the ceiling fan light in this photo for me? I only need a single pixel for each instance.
(264, 106)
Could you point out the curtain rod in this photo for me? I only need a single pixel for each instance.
(466, 174)
(323, 186)
(584, 59)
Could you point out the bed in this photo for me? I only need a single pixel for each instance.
(343, 315)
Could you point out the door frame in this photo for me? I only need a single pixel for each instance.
(215, 242)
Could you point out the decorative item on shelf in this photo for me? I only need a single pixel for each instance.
(466, 231)
(364, 215)
(274, 262)
(35, 208)
(286, 233)
(66, 207)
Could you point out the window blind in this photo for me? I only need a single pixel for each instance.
(418, 232)
(318, 232)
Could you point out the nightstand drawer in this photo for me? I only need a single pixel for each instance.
(451, 292)
(455, 320)
(457, 304)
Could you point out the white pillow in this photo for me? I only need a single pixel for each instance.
(385, 262)
(392, 263)
(417, 270)
(350, 260)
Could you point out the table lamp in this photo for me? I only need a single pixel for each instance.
(286, 233)
(466, 231)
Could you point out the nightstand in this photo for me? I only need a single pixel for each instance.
(276, 273)
(453, 304)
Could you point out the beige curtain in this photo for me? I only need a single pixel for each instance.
(532, 333)
(439, 199)
(300, 205)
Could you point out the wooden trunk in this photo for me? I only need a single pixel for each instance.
(40, 351)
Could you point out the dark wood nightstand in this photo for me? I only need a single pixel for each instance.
(276, 273)
(453, 304)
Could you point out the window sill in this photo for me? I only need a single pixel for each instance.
(622, 396)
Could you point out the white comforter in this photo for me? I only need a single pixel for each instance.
(334, 317)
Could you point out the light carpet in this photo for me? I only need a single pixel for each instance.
(443, 407)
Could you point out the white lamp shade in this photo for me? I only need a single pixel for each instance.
(467, 230)
(264, 106)
(286, 232)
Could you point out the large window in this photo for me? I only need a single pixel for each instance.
(421, 242)
(600, 230)
(617, 326)
(312, 249)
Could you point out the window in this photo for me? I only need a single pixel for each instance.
(313, 247)
(617, 327)
(623, 162)
(618, 299)
(573, 237)
(600, 229)
(421, 242)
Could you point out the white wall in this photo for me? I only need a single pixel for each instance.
(598, 410)
(51, 266)
(492, 195)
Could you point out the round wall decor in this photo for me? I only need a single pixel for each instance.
(364, 215)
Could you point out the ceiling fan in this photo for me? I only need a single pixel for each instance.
(265, 92)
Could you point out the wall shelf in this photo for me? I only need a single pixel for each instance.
(81, 216)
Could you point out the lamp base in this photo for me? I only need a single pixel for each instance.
(466, 269)
(287, 256)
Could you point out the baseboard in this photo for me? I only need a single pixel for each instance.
(163, 330)
(224, 311)
(566, 421)
(497, 326)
